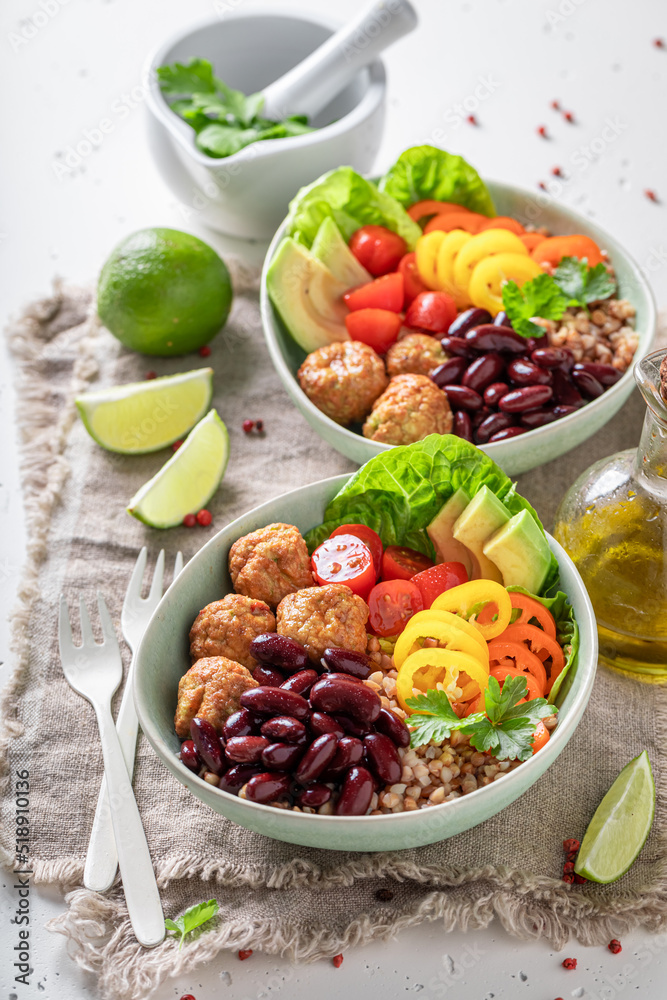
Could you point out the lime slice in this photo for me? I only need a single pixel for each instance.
(188, 480)
(620, 825)
(145, 416)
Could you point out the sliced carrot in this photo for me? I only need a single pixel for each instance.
(503, 222)
(554, 248)
(468, 221)
(531, 240)
(533, 610)
(542, 736)
(429, 207)
(534, 691)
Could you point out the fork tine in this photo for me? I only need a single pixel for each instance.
(133, 592)
(65, 643)
(108, 631)
(178, 565)
(158, 575)
(87, 637)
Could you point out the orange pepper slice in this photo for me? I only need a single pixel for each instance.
(532, 609)
(502, 649)
(537, 642)
(500, 673)
(552, 249)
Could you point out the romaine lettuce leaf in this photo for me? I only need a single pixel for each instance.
(428, 172)
(399, 492)
(352, 202)
(567, 633)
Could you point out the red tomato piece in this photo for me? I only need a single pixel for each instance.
(401, 563)
(368, 537)
(376, 327)
(386, 292)
(436, 580)
(345, 559)
(431, 311)
(377, 248)
(392, 604)
(412, 282)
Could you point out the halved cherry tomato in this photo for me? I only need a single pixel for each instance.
(470, 221)
(368, 537)
(376, 327)
(428, 207)
(534, 690)
(434, 581)
(386, 292)
(344, 559)
(412, 283)
(431, 311)
(531, 240)
(401, 563)
(503, 222)
(552, 249)
(533, 610)
(392, 604)
(378, 249)
(542, 736)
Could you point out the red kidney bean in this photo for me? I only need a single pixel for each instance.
(207, 742)
(313, 796)
(495, 338)
(316, 759)
(281, 756)
(483, 371)
(537, 418)
(190, 756)
(467, 319)
(564, 390)
(384, 758)
(284, 729)
(605, 374)
(349, 752)
(279, 651)
(267, 787)
(479, 417)
(552, 357)
(457, 346)
(275, 701)
(450, 372)
(321, 723)
(389, 723)
(493, 423)
(343, 677)
(462, 398)
(533, 343)
(268, 675)
(241, 723)
(237, 776)
(246, 749)
(524, 372)
(564, 411)
(347, 661)
(495, 392)
(301, 683)
(355, 700)
(502, 319)
(586, 383)
(507, 432)
(356, 793)
(354, 728)
(462, 426)
(527, 398)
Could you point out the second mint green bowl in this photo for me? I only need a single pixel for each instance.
(163, 658)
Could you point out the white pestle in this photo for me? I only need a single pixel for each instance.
(314, 82)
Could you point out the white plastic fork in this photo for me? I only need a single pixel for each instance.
(94, 670)
(102, 857)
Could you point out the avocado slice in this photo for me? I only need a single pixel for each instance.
(307, 296)
(484, 514)
(330, 248)
(440, 531)
(521, 553)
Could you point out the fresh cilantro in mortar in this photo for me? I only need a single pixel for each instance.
(193, 918)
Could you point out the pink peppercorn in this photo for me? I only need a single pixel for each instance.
(337, 961)
(204, 351)
(569, 963)
(614, 946)
(189, 520)
(204, 517)
(245, 953)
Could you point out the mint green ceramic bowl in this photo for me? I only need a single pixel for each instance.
(516, 455)
(163, 658)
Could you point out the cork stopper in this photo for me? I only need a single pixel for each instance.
(663, 378)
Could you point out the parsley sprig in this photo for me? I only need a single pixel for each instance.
(506, 728)
(547, 296)
(583, 284)
(193, 918)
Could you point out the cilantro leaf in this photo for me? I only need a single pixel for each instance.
(510, 740)
(583, 284)
(434, 718)
(541, 297)
(193, 918)
(508, 729)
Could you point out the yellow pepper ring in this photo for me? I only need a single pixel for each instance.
(488, 277)
(435, 614)
(446, 666)
(430, 628)
(466, 596)
(447, 256)
(426, 256)
(491, 241)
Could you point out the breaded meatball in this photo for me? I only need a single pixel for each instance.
(411, 408)
(227, 627)
(324, 616)
(343, 380)
(210, 690)
(416, 354)
(269, 563)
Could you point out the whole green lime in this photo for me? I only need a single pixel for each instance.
(164, 292)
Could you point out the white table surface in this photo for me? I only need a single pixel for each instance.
(66, 65)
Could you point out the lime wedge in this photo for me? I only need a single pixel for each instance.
(188, 480)
(145, 416)
(620, 824)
